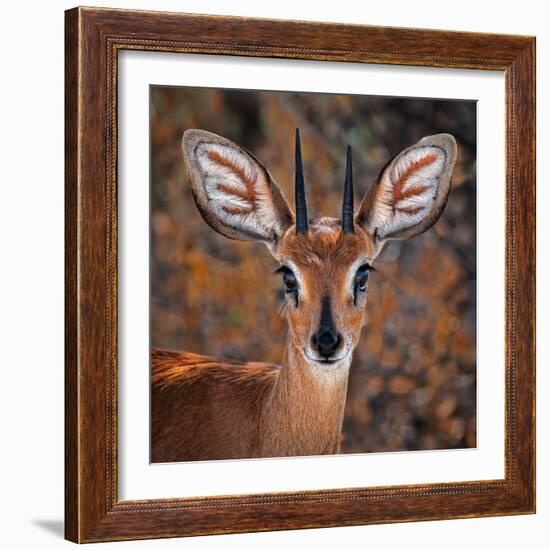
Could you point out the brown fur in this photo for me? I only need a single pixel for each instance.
(324, 257)
(205, 408)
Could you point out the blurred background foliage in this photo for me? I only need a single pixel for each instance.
(413, 378)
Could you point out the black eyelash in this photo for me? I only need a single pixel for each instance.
(281, 269)
(363, 269)
(366, 266)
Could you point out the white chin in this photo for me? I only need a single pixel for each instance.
(342, 360)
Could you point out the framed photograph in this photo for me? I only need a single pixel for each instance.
(300, 275)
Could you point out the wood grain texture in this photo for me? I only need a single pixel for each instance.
(71, 274)
(93, 38)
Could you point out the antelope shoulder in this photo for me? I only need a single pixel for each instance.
(205, 408)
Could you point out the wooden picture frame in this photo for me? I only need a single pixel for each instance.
(93, 511)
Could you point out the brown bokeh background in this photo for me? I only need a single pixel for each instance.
(413, 376)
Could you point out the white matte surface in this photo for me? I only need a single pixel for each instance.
(140, 480)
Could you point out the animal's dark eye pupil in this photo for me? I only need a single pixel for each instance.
(289, 280)
(290, 285)
(361, 278)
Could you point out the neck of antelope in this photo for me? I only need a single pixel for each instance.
(306, 407)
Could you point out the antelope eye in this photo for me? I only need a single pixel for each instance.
(289, 280)
(361, 278)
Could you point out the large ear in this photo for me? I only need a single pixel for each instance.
(411, 191)
(233, 190)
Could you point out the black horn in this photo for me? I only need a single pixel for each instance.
(300, 193)
(347, 203)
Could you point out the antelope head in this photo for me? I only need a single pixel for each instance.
(324, 262)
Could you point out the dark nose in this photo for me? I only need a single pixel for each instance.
(326, 342)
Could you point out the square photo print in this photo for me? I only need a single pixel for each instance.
(312, 274)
